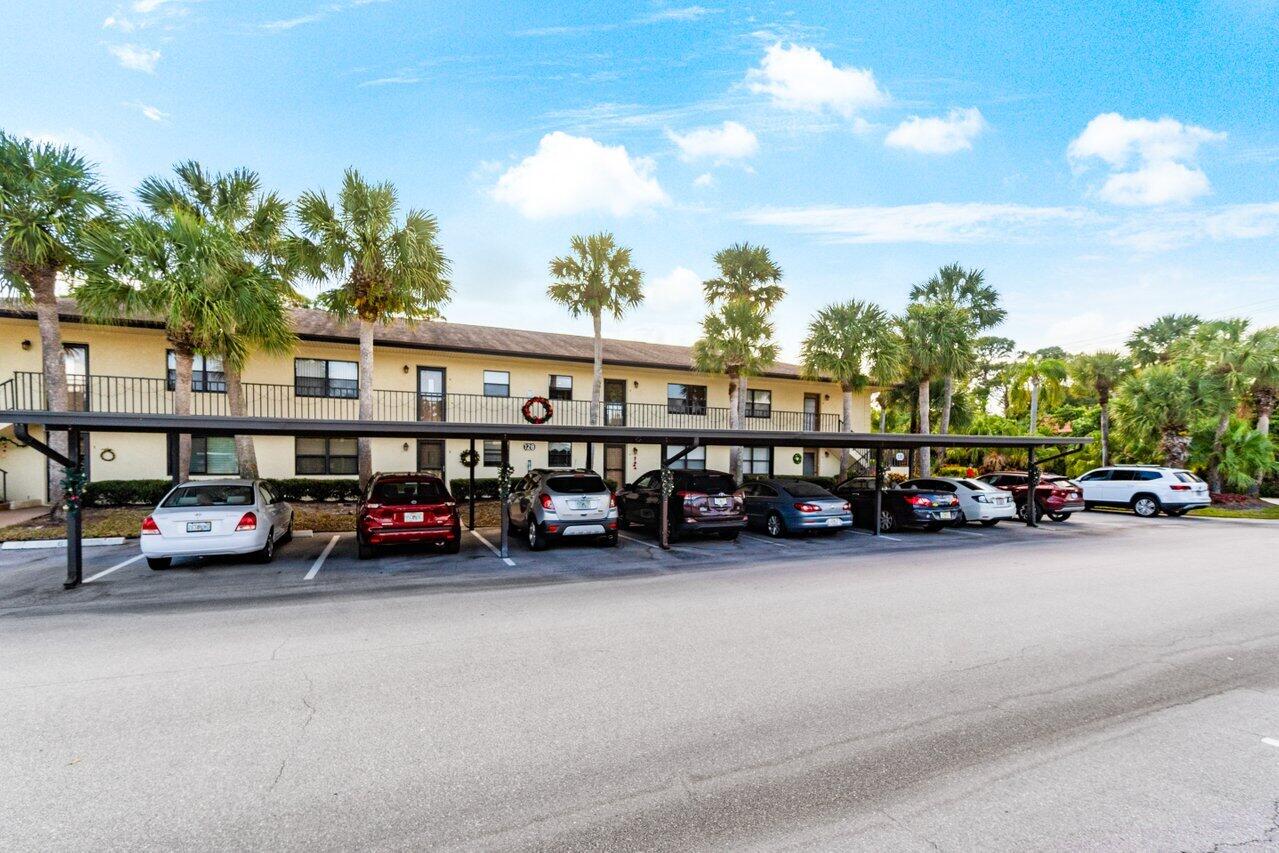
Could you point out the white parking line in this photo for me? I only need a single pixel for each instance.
(496, 552)
(319, 561)
(1269, 741)
(106, 572)
(871, 533)
(772, 542)
(967, 532)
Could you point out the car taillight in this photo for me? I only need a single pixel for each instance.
(612, 499)
(739, 496)
(847, 506)
(372, 506)
(808, 507)
(149, 527)
(918, 500)
(688, 497)
(1180, 488)
(547, 503)
(248, 521)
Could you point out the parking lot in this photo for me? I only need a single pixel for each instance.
(326, 563)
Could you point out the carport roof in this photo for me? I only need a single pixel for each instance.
(216, 425)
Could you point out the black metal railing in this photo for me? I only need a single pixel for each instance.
(152, 396)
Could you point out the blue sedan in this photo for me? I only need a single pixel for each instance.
(785, 506)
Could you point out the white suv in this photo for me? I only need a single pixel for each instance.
(1145, 489)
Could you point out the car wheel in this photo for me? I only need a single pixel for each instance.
(159, 563)
(990, 522)
(536, 537)
(1146, 506)
(1059, 516)
(775, 526)
(288, 534)
(887, 522)
(622, 522)
(962, 520)
(454, 545)
(267, 554)
(364, 550)
(1090, 505)
(728, 535)
(1039, 512)
(1176, 513)
(610, 540)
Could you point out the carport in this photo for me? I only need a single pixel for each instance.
(76, 423)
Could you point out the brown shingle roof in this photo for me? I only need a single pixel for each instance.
(315, 325)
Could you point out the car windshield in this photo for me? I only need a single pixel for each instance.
(577, 485)
(209, 495)
(408, 491)
(804, 489)
(709, 484)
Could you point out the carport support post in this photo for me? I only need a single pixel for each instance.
(75, 517)
(503, 489)
(1032, 487)
(172, 447)
(879, 484)
(471, 491)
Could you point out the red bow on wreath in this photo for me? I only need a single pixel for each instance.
(527, 410)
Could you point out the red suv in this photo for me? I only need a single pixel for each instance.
(406, 509)
(1056, 496)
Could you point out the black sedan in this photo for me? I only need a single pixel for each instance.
(899, 508)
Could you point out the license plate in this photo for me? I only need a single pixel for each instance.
(414, 516)
(199, 526)
(834, 522)
(719, 503)
(948, 514)
(581, 504)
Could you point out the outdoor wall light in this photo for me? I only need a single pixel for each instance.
(636, 382)
(825, 396)
(26, 345)
(406, 447)
(406, 368)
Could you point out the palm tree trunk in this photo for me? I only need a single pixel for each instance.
(925, 453)
(364, 446)
(246, 459)
(1218, 449)
(1105, 434)
(735, 422)
(1034, 407)
(1265, 405)
(947, 398)
(183, 357)
(1175, 448)
(597, 379)
(883, 417)
(845, 455)
(43, 286)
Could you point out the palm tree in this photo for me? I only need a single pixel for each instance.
(50, 201)
(989, 353)
(746, 272)
(256, 290)
(1248, 456)
(1101, 372)
(852, 343)
(596, 277)
(1154, 342)
(1265, 380)
(1223, 357)
(938, 341)
(381, 270)
(1155, 406)
(1034, 377)
(737, 340)
(968, 290)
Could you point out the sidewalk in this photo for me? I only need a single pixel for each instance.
(17, 516)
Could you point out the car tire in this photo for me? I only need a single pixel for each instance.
(1059, 516)
(364, 550)
(1090, 505)
(1039, 512)
(1176, 513)
(990, 522)
(535, 536)
(1145, 506)
(729, 535)
(775, 525)
(610, 540)
(267, 554)
(622, 523)
(454, 545)
(159, 564)
(288, 534)
(962, 519)
(887, 521)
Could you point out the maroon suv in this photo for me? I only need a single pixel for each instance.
(407, 509)
(1056, 496)
(703, 502)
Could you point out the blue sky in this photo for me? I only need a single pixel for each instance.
(1103, 164)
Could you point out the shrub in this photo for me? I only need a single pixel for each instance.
(485, 488)
(125, 492)
(321, 490)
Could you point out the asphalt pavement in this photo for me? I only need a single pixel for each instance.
(1104, 684)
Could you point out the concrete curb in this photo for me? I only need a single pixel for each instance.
(33, 544)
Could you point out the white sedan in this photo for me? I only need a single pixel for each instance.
(978, 501)
(211, 517)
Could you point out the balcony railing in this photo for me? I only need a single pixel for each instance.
(151, 396)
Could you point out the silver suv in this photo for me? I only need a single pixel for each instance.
(554, 503)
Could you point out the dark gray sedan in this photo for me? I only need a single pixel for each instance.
(786, 506)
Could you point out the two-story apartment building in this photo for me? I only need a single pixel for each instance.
(423, 371)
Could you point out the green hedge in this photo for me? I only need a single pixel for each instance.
(125, 492)
(486, 487)
(321, 490)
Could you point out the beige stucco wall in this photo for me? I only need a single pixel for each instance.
(127, 352)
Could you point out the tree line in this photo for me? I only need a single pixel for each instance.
(217, 258)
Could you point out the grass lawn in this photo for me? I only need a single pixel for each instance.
(127, 521)
(1271, 512)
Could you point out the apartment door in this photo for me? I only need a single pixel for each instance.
(810, 463)
(615, 463)
(430, 394)
(430, 456)
(615, 402)
(812, 411)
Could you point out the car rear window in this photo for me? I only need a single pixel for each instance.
(977, 485)
(211, 495)
(1187, 477)
(710, 484)
(408, 491)
(803, 489)
(576, 485)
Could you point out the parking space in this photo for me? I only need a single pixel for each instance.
(327, 563)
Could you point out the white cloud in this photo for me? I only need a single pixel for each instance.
(1150, 162)
(155, 114)
(682, 13)
(679, 288)
(406, 80)
(706, 179)
(571, 174)
(730, 141)
(319, 14)
(916, 223)
(800, 78)
(1155, 232)
(955, 132)
(135, 58)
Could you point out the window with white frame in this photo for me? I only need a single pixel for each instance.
(497, 383)
(559, 454)
(757, 460)
(694, 461)
(318, 377)
(492, 454)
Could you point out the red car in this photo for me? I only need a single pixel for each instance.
(407, 509)
(1056, 496)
